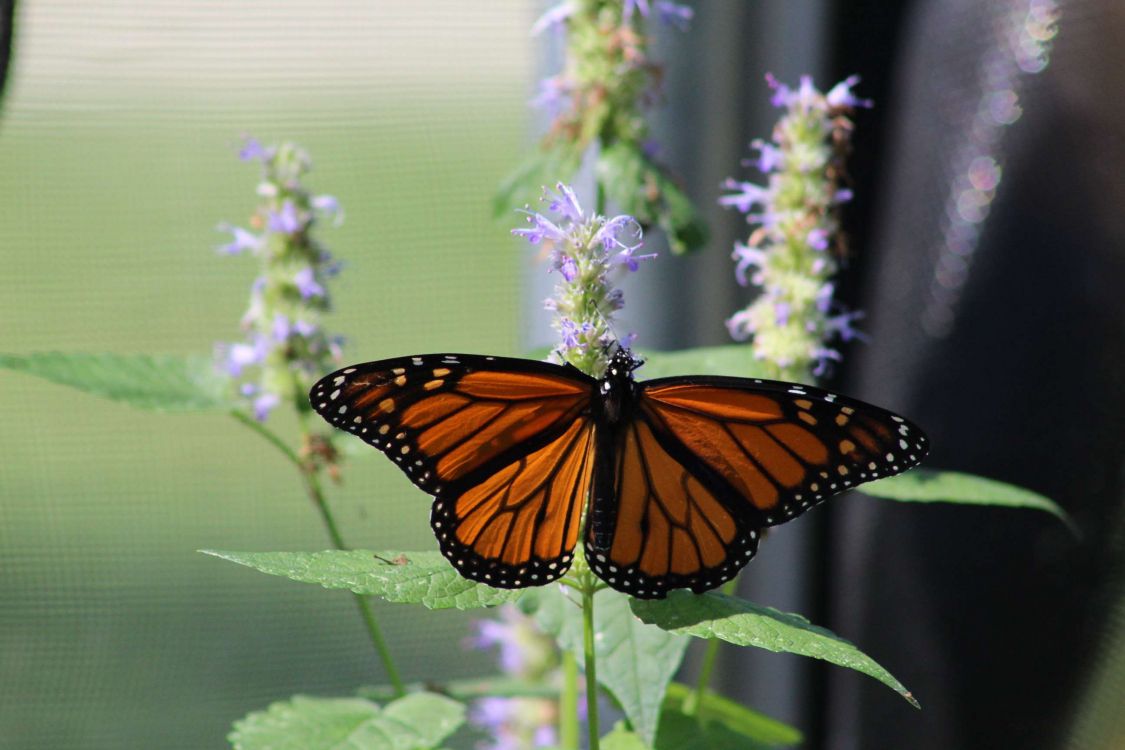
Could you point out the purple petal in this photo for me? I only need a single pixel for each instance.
(264, 404)
(242, 241)
(635, 6)
(285, 221)
(553, 18)
(307, 285)
(817, 239)
(841, 96)
(542, 228)
(329, 206)
(675, 15)
(565, 202)
(748, 257)
(304, 328)
(568, 268)
(748, 195)
(281, 328)
(253, 149)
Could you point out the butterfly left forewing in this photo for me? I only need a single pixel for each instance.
(782, 447)
(451, 419)
(504, 445)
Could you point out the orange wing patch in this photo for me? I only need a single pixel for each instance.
(519, 526)
(671, 530)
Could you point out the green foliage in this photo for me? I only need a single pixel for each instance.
(929, 486)
(635, 662)
(495, 686)
(416, 722)
(522, 187)
(734, 360)
(744, 623)
(424, 578)
(158, 383)
(642, 188)
(746, 722)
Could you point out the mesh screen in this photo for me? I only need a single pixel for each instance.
(117, 145)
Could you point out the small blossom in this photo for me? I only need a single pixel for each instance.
(840, 96)
(328, 205)
(553, 18)
(748, 195)
(285, 221)
(305, 281)
(264, 404)
(252, 149)
(242, 241)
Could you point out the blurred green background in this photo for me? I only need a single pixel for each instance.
(117, 161)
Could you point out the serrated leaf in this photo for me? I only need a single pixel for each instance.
(635, 661)
(744, 623)
(424, 578)
(415, 722)
(929, 486)
(736, 361)
(747, 722)
(644, 189)
(159, 383)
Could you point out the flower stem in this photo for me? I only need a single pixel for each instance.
(695, 698)
(568, 703)
(316, 494)
(589, 588)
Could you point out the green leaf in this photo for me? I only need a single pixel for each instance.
(424, 578)
(679, 731)
(622, 739)
(635, 661)
(744, 623)
(645, 189)
(929, 486)
(496, 686)
(735, 360)
(415, 722)
(524, 185)
(159, 383)
(747, 722)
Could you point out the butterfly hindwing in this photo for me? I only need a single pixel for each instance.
(503, 444)
(781, 447)
(659, 520)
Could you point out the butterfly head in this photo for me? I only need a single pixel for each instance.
(622, 364)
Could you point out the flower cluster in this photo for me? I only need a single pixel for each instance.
(585, 249)
(795, 248)
(525, 653)
(285, 348)
(608, 71)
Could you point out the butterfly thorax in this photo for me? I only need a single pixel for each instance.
(616, 389)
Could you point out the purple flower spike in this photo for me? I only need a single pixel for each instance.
(285, 221)
(306, 283)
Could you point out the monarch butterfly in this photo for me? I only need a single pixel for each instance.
(680, 474)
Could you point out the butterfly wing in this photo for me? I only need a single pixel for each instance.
(504, 445)
(660, 520)
(742, 454)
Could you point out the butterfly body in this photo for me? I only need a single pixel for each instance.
(679, 475)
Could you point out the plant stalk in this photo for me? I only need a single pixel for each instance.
(588, 590)
(316, 494)
(568, 703)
